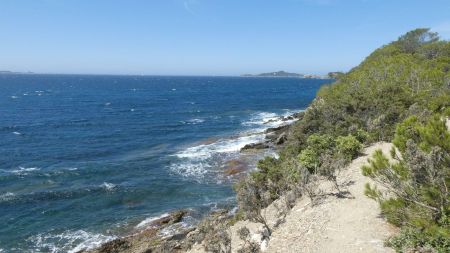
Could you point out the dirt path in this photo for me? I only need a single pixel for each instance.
(347, 225)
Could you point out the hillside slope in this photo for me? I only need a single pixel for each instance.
(349, 223)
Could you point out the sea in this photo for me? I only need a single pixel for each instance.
(85, 159)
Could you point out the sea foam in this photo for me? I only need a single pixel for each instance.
(200, 160)
(149, 220)
(74, 241)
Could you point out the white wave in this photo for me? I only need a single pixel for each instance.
(69, 241)
(22, 171)
(173, 229)
(150, 220)
(108, 186)
(205, 151)
(17, 133)
(14, 97)
(201, 160)
(191, 169)
(195, 121)
(261, 118)
(8, 196)
(198, 160)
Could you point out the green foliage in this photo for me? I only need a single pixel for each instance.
(406, 130)
(348, 147)
(416, 195)
(412, 240)
(433, 133)
(320, 142)
(316, 145)
(378, 94)
(362, 136)
(413, 40)
(309, 158)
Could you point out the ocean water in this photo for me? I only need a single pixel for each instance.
(84, 159)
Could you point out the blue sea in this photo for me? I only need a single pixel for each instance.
(85, 159)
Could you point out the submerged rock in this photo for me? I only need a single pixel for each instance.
(235, 166)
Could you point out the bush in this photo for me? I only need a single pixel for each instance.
(310, 159)
(416, 195)
(252, 200)
(362, 136)
(413, 240)
(316, 145)
(348, 147)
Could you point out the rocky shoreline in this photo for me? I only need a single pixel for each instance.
(170, 233)
(275, 136)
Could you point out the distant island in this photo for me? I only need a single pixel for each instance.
(7, 72)
(282, 73)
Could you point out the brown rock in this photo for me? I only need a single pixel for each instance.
(234, 167)
(117, 245)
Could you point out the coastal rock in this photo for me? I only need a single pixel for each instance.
(277, 135)
(298, 115)
(117, 245)
(281, 139)
(277, 129)
(170, 219)
(150, 239)
(255, 146)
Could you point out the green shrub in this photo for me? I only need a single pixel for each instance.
(416, 194)
(362, 136)
(348, 147)
(413, 240)
(309, 158)
(316, 145)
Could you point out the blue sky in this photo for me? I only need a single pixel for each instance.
(204, 37)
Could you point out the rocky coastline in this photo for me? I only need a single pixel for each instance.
(275, 136)
(170, 233)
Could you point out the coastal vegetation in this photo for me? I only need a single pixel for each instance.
(399, 93)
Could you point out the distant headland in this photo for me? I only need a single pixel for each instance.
(282, 73)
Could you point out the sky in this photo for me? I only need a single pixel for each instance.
(205, 37)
